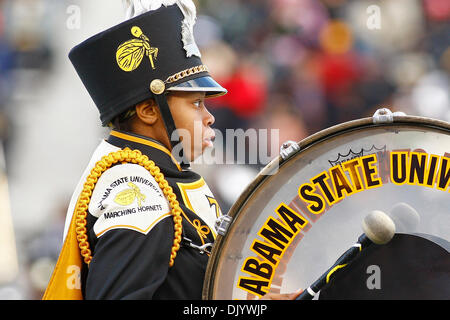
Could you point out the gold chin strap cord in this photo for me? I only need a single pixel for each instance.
(124, 156)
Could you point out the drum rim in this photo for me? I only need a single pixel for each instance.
(303, 144)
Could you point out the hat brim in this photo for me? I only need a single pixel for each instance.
(202, 84)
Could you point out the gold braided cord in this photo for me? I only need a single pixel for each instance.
(124, 156)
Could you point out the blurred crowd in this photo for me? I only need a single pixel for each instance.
(326, 62)
(298, 66)
(301, 66)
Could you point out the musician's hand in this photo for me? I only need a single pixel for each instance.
(282, 296)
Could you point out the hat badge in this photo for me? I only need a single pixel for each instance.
(130, 54)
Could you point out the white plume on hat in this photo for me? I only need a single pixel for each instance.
(134, 8)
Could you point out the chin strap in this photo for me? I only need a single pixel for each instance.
(172, 131)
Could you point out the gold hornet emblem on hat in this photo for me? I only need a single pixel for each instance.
(129, 54)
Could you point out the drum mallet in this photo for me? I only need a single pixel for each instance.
(378, 228)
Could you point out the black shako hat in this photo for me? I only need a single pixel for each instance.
(142, 58)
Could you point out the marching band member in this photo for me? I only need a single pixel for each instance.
(143, 220)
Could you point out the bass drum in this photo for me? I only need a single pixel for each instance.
(305, 209)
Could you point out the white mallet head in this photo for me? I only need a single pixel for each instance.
(378, 227)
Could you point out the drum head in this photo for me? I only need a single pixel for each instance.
(299, 215)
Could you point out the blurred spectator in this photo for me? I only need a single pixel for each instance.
(29, 26)
(437, 10)
(283, 116)
(42, 251)
(247, 92)
(6, 81)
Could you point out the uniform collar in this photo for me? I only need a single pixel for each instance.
(153, 149)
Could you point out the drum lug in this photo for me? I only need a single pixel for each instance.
(384, 115)
(288, 148)
(222, 224)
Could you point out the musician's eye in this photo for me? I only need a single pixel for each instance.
(198, 103)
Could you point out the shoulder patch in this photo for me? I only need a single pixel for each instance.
(127, 196)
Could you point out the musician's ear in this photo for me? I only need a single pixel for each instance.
(148, 112)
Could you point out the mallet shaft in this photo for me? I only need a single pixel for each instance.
(341, 263)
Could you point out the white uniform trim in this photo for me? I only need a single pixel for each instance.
(104, 148)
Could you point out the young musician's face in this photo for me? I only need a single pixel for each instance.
(193, 122)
